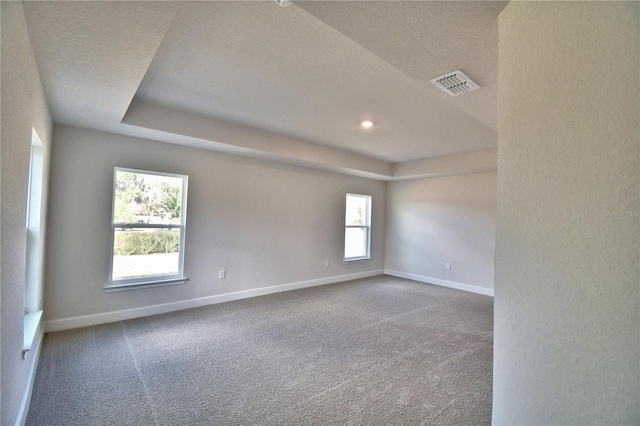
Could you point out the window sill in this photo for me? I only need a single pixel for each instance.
(145, 284)
(31, 324)
(357, 259)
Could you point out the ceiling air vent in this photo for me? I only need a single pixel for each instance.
(455, 83)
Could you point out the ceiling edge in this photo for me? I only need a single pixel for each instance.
(251, 141)
(447, 165)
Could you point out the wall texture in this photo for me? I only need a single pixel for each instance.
(265, 224)
(434, 221)
(23, 108)
(568, 247)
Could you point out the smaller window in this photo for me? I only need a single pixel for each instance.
(357, 231)
(149, 218)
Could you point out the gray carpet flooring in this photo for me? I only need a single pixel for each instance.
(380, 350)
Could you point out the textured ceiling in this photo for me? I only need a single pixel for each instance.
(92, 56)
(309, 73)
(426, 39)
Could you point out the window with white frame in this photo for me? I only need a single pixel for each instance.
(35, 224)
(357, 230)
(149, 218)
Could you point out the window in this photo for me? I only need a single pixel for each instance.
(149, 212)
(35, 244)
(357, 230)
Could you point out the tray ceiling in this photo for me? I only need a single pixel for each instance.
(308, 73)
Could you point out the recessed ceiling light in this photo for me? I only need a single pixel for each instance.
(366, 124)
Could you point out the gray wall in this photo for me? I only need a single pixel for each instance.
(567, 274)
(23, 108)
(266, 224)
(434, 221)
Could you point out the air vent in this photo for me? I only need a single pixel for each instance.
(455, 83)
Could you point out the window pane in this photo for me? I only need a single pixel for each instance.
(145, 198)
(356, 212)
(355, 242)
(140, 253)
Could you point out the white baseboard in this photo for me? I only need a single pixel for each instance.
(32, 357)
(440, 282)
(95, 319)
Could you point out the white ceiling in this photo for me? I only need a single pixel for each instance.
(296, 80)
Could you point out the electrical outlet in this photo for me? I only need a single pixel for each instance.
(327, 263)
(447, 266)
(222, 274)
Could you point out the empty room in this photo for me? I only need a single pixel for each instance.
(320, 212)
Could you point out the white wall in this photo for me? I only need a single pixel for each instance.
(266, 224)
(23, 108)
(567, 275)
(449, 219)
